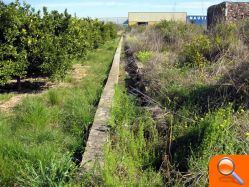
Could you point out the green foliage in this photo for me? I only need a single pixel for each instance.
(244, 30)
(131, 154)
(75, 118)
(197, 97)
(32, 113)
(109, 31)
(31, 43)
(54, 97)
(5, 97)
(218, 136)
(171, 30)
(224, 35)
(144, 56)
(56, 173)
(174, 32)
(38, 148)
(196, 51)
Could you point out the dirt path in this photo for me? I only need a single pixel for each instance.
(78, 72)
(11, 103)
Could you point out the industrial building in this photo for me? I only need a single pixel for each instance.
(226, 12)
(151, 18)
(143, 20)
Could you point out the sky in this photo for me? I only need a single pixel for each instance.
(120, 8)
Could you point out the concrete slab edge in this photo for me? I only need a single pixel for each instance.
(99, 132)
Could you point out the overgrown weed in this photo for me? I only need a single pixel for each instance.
(204, 95)
(131, 154)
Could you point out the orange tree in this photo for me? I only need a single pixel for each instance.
(35, 45)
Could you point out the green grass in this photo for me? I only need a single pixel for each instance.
(41, 142)
(144, 56)
(5, 97)
(200, 140)
(131, 154)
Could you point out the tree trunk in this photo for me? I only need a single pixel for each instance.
(18, 83)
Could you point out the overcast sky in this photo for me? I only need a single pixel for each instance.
(120, 8)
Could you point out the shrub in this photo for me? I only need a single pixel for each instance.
(224, 35)
(244, 31)
(135, 44)
(153, 39)
(149, 40)
(176, 33)
(218, 136)
(170, 30)
(238, 77)
(196, 52)
(144, 56)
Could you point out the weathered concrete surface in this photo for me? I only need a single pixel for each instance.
(99, 132)
(227, 12)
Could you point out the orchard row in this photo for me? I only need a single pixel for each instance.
(35, 43)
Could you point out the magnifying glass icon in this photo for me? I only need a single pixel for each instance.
(226, 167)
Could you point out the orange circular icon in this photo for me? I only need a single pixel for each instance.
(226, 166)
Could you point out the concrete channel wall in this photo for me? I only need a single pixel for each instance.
(99, 132)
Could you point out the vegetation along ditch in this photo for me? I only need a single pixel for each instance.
(184, 99)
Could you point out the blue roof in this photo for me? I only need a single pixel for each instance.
(197, 19)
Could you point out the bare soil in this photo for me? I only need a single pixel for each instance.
(37, 86)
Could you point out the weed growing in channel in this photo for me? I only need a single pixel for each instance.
(131, 154)
(196, 51)
(144, 56)
(208, 73)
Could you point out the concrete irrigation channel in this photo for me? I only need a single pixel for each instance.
(99, 132)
